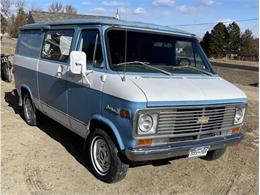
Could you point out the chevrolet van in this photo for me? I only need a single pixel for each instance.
(135, 92)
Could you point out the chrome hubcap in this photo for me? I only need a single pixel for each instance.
(100, 155)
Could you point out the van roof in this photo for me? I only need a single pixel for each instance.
(104, 21)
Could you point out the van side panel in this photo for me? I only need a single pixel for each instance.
(25, 70)
(26, 62)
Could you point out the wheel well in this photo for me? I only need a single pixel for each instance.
(24, 91)
(98, 124)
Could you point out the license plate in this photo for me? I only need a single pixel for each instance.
(198, 151)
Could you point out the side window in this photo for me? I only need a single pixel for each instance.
(29, 43)
(57, 45)
(90, 44)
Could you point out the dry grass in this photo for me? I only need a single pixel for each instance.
(239, 62)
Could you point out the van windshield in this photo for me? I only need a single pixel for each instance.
(133, 51)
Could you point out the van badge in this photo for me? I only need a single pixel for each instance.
(203, 120)
(113, 110)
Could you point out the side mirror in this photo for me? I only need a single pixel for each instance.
(78, 62)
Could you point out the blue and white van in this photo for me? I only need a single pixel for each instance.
(135, 92)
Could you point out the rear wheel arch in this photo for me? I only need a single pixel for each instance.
(24, 90)
(38, 116)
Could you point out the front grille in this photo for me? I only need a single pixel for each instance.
(195, 123)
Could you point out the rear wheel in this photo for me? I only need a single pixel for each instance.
(29, 110)
(214, 155)
(104, 158)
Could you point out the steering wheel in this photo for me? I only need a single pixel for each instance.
(183, 62)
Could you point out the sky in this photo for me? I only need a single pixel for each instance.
(183, 14)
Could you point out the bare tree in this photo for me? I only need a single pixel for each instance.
(6, 7)
(55, 7)
(69, 9)
(20, 4)
(34, 7)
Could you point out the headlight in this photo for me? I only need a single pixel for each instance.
(147, 123)
(239, 115)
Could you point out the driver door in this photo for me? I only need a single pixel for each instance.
(52, 73)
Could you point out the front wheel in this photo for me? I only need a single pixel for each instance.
(104, 158)
(214, 155)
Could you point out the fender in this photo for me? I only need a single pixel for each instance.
(113, 127)
(20, 92)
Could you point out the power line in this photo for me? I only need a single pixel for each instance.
(210, 23)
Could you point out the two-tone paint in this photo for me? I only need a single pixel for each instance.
(67, 99)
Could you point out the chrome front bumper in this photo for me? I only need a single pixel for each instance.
(179, 149)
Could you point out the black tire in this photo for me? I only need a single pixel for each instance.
(29, 110)
(214, 155)
(103, 157)
(7, 72)
(2, 73)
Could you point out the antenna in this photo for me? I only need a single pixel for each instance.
(117, 14)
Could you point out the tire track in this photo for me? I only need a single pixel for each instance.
(224, 185)
(34, 180)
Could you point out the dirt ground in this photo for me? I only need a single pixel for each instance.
(48, 159)
(239, 62)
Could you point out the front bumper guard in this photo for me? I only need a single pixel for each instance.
(179, 149)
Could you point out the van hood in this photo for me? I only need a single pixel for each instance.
(169, 91)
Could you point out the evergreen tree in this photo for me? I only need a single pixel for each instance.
(256, 48)
(11, 25)
(17, 22)
(206, 43)
(247, 42)
(233, 38)
(219, 38)
(3, 24)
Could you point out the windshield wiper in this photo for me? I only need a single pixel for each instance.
(146, 64)
(193, 68)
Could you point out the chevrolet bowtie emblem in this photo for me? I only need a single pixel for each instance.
(203, 120)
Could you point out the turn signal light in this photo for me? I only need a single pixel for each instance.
(235, 130)
(144, 142)
(124, 114)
